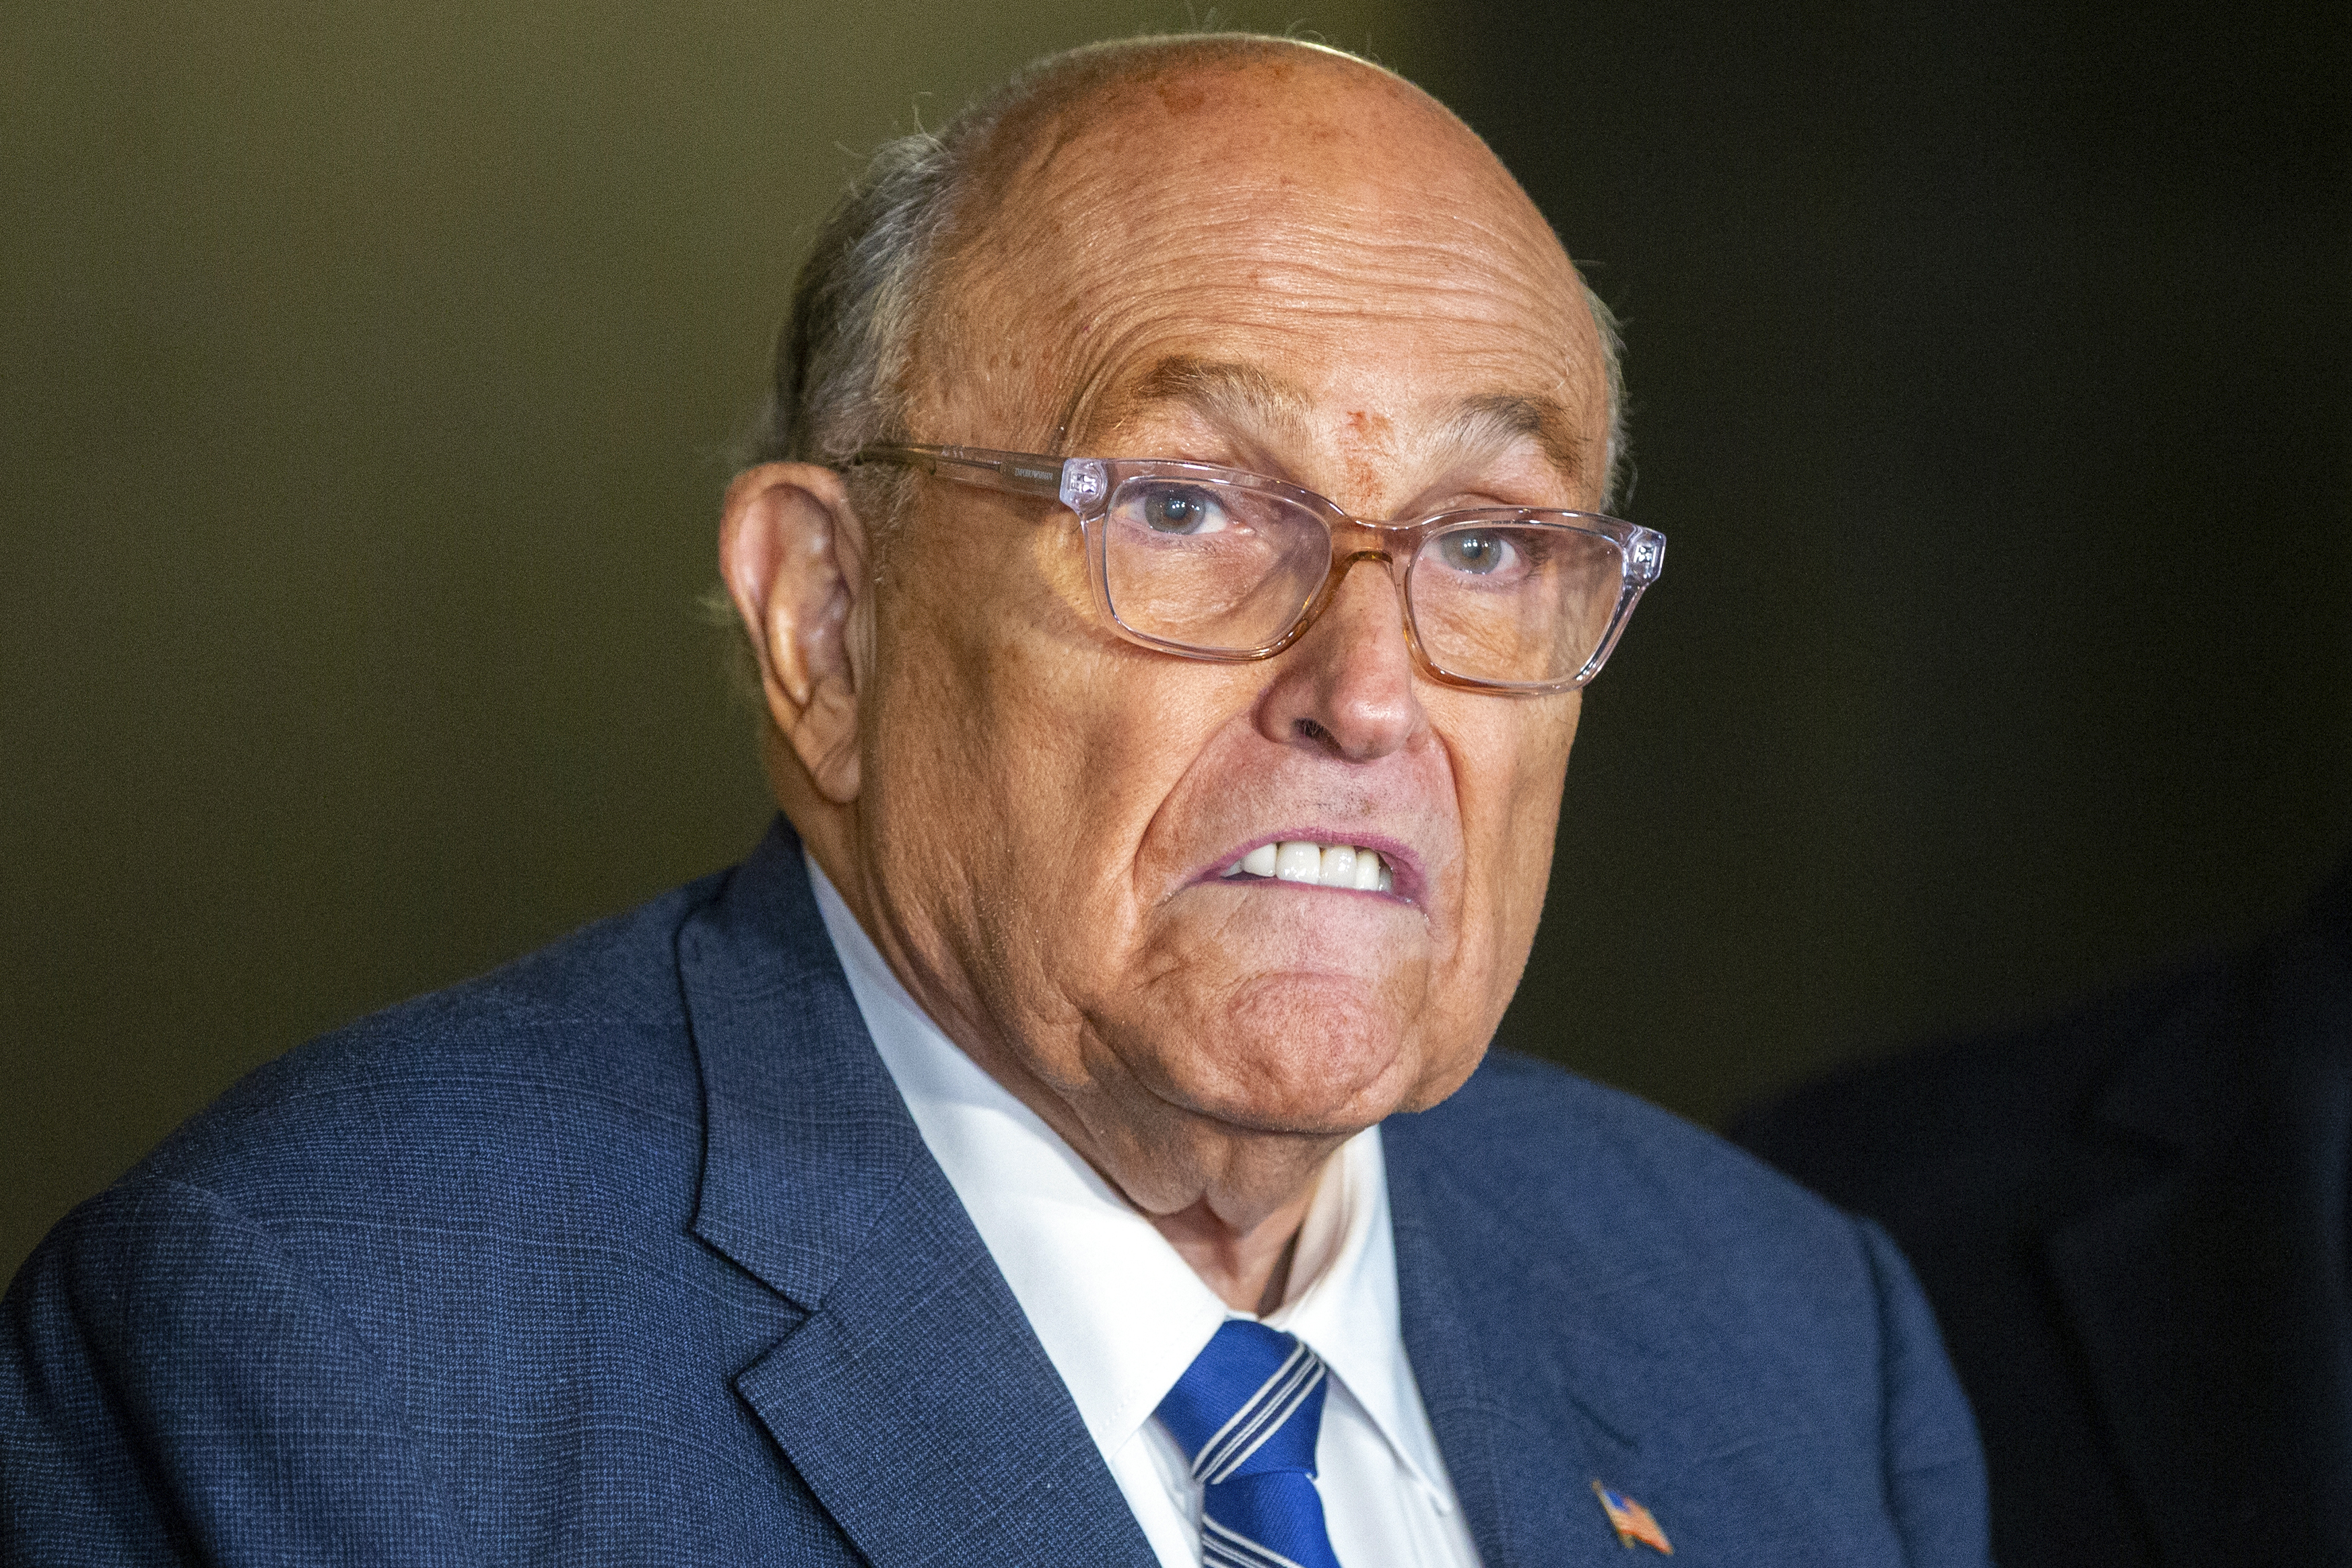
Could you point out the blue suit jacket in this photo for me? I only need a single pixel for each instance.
(630, 1252)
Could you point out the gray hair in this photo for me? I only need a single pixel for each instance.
(841, 360)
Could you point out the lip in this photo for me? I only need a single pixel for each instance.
(1410, 876)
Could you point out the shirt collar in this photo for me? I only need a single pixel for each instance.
(1119, 1311)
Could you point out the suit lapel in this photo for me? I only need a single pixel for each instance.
(913, 1400)
(1522, 1448)
(2209, 1300)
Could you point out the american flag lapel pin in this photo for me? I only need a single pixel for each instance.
(1631, 1521)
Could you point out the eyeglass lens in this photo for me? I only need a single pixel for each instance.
(1225, 568)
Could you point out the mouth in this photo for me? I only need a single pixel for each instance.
(1312, 863)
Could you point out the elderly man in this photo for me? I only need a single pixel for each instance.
(1067, 1141)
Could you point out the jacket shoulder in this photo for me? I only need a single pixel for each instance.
(556, 1095)
(374, 1262)
(592, 1025)
(1521, 1130)
(1568, 1195)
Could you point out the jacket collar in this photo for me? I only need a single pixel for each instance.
(913, 1399)
(2211, 1297)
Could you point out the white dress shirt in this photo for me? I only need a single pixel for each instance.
(1122, 1314)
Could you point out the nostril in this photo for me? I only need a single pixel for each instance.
(1310, 730)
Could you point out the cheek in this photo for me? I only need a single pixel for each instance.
(953, 729)
(1081, 779)
(1133, 722)
(1537, 777)
(1021, 755)
(1511, 776)
(983, 636)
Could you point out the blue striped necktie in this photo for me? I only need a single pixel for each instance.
(1247, 1411)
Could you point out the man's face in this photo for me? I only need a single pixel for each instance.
(1310, 274)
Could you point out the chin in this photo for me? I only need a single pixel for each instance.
(1294, 1053)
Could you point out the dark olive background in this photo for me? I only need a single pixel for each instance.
(366, 374)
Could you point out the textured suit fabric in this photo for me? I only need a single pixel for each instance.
(630, 1252)
(2132, 1222)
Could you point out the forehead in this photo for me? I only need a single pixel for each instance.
(1315, 220)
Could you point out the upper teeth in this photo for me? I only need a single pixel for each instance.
(1327, 865)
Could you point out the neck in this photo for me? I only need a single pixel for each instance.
(1249, 1268)
(1230, 1200)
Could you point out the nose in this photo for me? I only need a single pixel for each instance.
(1347, 688)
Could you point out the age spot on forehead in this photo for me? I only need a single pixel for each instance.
(1366, 441)
(1181, 95)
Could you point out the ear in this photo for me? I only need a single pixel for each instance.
(792, 553)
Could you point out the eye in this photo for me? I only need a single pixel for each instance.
(1185, 509)
(1476, 552)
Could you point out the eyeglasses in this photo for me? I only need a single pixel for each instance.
(1214, 563)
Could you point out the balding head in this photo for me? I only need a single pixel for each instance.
(922, 247)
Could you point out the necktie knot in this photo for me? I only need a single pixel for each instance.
(1247, 1411)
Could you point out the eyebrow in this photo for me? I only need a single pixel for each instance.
(1501, 418)
(1235, 393)
(1225, 391)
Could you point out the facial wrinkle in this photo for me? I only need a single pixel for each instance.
(1100, 331)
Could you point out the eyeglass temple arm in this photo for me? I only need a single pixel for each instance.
(1017, 473)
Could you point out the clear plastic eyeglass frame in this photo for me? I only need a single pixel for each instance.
(1086, 486)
